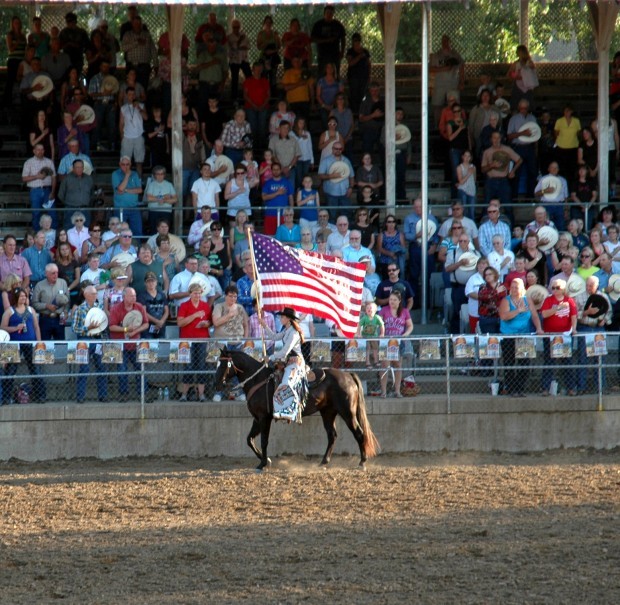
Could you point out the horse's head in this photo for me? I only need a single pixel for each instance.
(225, 368)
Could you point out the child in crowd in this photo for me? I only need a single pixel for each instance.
(371, 326)
(367, 199)
(114, 294)
(281, 114)
(308, 199)
(265, 167)
(466, 183)
(93, 275)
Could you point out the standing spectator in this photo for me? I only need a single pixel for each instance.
(277, 194)
(296, 43)
(40, 177)
(402, 155)
(358, 72)
(68, 269)
(56, 63)
(526, 151)
(179, 286)
(269, 44)
(40, 132)
(161, 198)
(194, 155)
(490, 228)
(10, 262)
(104, 106)
(330, 38)
(50, 299)
(559, 315)
(74, 41)
(38, 38)
(237, 194)
(238, 46)
(397, 322)
(131, 126)
(496, 165)
(256, 95)
(346, 123)
(110, 41)
(394, 283)
(96, 53)
(20, 320)
(16, 47)
(82, 331)
(76, 191)
(566, 131)
(140, 51)
(553, 198)
(517, 315)
(371, 118)
(213, 29)
(136, 272)
(244, 286)
(206, 191)
(327, 87)
(458, 280)
(158, 137)
(286, 151)
(127, 186)
(38, 257)
(236, 136)
(194, 320)
(501, 259)
(155, 304)
(337, 189)
(472, 286)
(127, 26)
(523, 74)
(212, 66)
(490, 295)
(212, 121)
(127, 333)
(448, 68)
(298, 87)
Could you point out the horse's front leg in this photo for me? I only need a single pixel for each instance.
(265, 427)
(255, 430)
(329, 422)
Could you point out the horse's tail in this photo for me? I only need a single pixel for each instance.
(370, 443)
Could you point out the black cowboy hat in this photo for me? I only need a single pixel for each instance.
(288, 312)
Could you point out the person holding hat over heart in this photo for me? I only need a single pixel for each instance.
(290, 395)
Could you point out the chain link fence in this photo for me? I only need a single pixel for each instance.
(455, 368)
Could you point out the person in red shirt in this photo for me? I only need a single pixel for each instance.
(131, 331)
(256, 95)
(194, 320)
(559, 315)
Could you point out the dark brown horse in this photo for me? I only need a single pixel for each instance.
(338, 394)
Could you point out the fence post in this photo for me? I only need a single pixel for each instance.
(142, 395)
(600, 384)
(448, 393)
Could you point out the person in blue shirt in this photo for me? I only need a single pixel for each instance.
(38, 256)
(277, 193)
(127, 187)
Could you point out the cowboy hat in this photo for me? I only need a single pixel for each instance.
(133, 319)
(431, 227)
(575, 285)
(599, 301)
(202, 281)
(503, 106)
(98, 317)
(84, 115)
(614, 287)
(110, 85)
(537, 294)
(341, 168)
(288, 312)
(550, 234)
(402, 134)
(48, 86)
(472, 260)
(555, 183)
(223, 161)
(535, 133)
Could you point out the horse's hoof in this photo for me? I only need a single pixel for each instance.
(362, 466)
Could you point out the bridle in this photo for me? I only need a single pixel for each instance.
(230, 364)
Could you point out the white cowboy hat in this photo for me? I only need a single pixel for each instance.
(124, 259)
(224, 160)
(472, 260)
(110, 85)
(575, 285)
(48, 86)
(535, 133)
(88, 168)
(537, 294)
(202, 281)
(133, 319)
(550, 234)
(430, 227)
(504, 107)
(553, 182)
(614, 287)
(84, 115)
(177, 247)
(4, 336)
(402, 134)
(96, 316)
(341, 168)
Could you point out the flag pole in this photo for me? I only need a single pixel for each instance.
(259, 302)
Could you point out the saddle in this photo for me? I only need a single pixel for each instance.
(315, 377)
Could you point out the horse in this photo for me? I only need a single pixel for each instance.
(337, 393)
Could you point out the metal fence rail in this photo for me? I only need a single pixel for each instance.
(462, 368)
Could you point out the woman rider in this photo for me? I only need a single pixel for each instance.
(289, 396)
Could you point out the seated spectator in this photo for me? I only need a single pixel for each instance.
(354, 252)
(323, 226)
(306, 240)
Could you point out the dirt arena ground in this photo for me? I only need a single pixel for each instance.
(420, 528)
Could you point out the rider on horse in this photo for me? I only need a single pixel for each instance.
(289, 398)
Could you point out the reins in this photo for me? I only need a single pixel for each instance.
(241, 384)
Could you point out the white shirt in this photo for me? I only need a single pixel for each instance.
(473, 285)
(336, 241)
(180, 283)
(206, 190)
(134, 123)
(495, 260)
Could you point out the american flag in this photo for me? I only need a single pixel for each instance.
(324, 286)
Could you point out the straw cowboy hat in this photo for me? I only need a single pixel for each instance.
(614, 287)
(288, 312)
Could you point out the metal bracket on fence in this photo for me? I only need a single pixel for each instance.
(448, 393)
